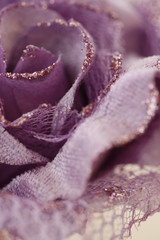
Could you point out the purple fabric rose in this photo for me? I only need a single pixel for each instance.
(79, 118)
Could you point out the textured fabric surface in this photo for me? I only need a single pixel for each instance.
(79, 118)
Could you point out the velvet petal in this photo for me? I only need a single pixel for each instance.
(61, 36)
(34, 130)
(106, 36)
(111, 124)
(34, 59)
(23, 92)
(14, 153)
(23, 17)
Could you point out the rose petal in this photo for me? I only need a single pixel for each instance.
(33, 130)
(139, 36)
(62, 110)
(150, 13)
(110, 125)
(22, 16)
(145, 150)
(61, 36)
(89, 17)
(25, 219)
(106, 36)
(21, 93)
(14, 153)
(34, 59)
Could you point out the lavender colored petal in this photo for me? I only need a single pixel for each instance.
(144, 151)
(131, 64)
(23, 17)
(111, 124)
(61, 37)
(127, 194)
(34, 59)
(88, 17)
(139, 31)
(14, 153)
(34, 130)
(77, 60)
(21, 93)
(62, 110)
(27, 220)
(150, 13)
(106, 36)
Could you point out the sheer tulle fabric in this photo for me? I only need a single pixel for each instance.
(79, 118)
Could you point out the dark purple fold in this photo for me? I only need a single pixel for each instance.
(34, 59)
(24, 92)
(145, 150)
(58, 37)
(35, 131)
(111, 124)
(12, 152)
(23, 17)
(106, 33)
(28, 220)
(46, 129)
(77, 61)
(60, 118)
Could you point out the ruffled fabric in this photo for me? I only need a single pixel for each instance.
(79, 118)
(106, 36)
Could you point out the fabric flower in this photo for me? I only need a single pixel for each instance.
(79, 118)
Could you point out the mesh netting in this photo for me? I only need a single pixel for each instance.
(103, 171)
